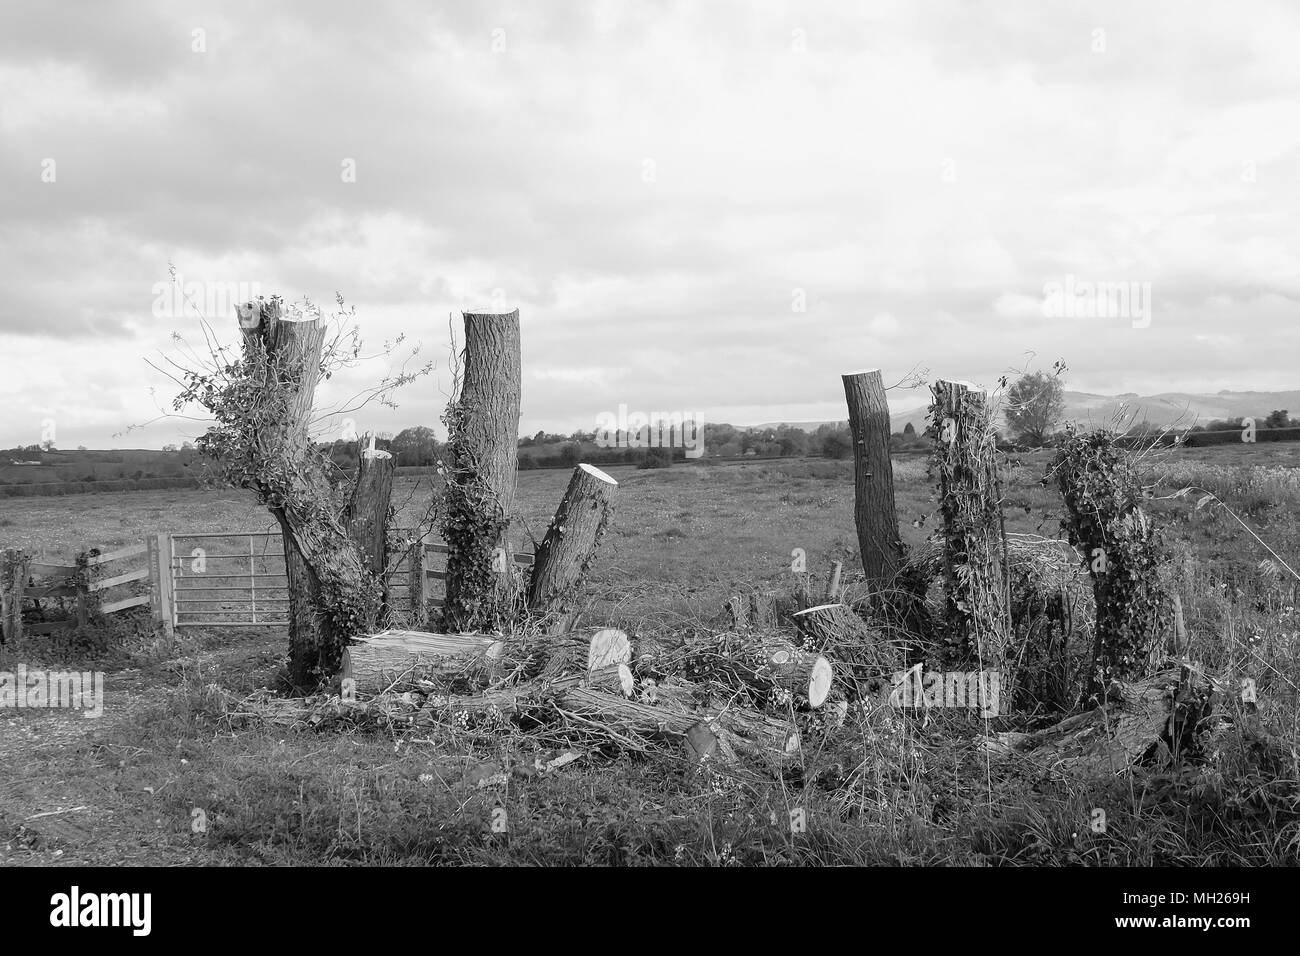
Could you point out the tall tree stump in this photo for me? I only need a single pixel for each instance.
(1122, 549)
(874, 513)
(366, 517)
(483, 446)
(332, 594)
(976, 600)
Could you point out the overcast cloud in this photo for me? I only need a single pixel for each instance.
(706, 207)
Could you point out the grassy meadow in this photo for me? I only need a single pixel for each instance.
(887, 789)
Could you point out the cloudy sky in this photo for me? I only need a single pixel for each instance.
(696, 207)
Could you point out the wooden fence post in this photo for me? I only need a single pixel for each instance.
(13, 575)
(418, 589)
(160, 581)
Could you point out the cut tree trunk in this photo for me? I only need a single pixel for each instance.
(739, 731)
(366, 518)
(382, 660)
(484, 444)
(836, 630)
(377, 661)
(13, 577)
(874, 512)
(975, 552)
(767, 610)
(608, 646)
(331, 593)
(490, 390)
(570, 546)
(1142, 718)
(763, 612)
(800, 671)
(827, 626)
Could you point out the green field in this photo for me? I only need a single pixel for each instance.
(683, 539)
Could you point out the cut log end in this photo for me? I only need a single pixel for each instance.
(819, 683)
(813, 610)
(608, 646)
(598, 474)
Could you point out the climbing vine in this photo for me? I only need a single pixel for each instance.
(261, 402)
(1121, 549)
(963, 463)
(473, 525)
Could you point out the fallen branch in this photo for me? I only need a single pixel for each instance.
(1139, 719)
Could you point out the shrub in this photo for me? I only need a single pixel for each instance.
(656, 458)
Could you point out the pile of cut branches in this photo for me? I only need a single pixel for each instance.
(722, 696)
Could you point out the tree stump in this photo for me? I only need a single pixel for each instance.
(570, 545)
(874, 512)
(483, 458)
(975, 572)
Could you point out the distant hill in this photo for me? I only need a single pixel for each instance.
(1184, 409)
(802, 426)
(1165, 408)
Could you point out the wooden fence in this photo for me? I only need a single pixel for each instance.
(68, 589)
(192, 579)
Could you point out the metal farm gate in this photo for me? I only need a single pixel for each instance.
(226, 580)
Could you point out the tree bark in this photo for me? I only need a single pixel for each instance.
(800, 671)
(366, 518)
(826, 626)
(874, 513)
(570, 546)
(491, 390)
(1136, 718)
(861, 652)
(738, 611)
(378, 661)
(484, 444)
(332, 594)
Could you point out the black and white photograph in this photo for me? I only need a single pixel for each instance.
(622, 434)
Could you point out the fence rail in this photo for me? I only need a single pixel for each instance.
(68, 587)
